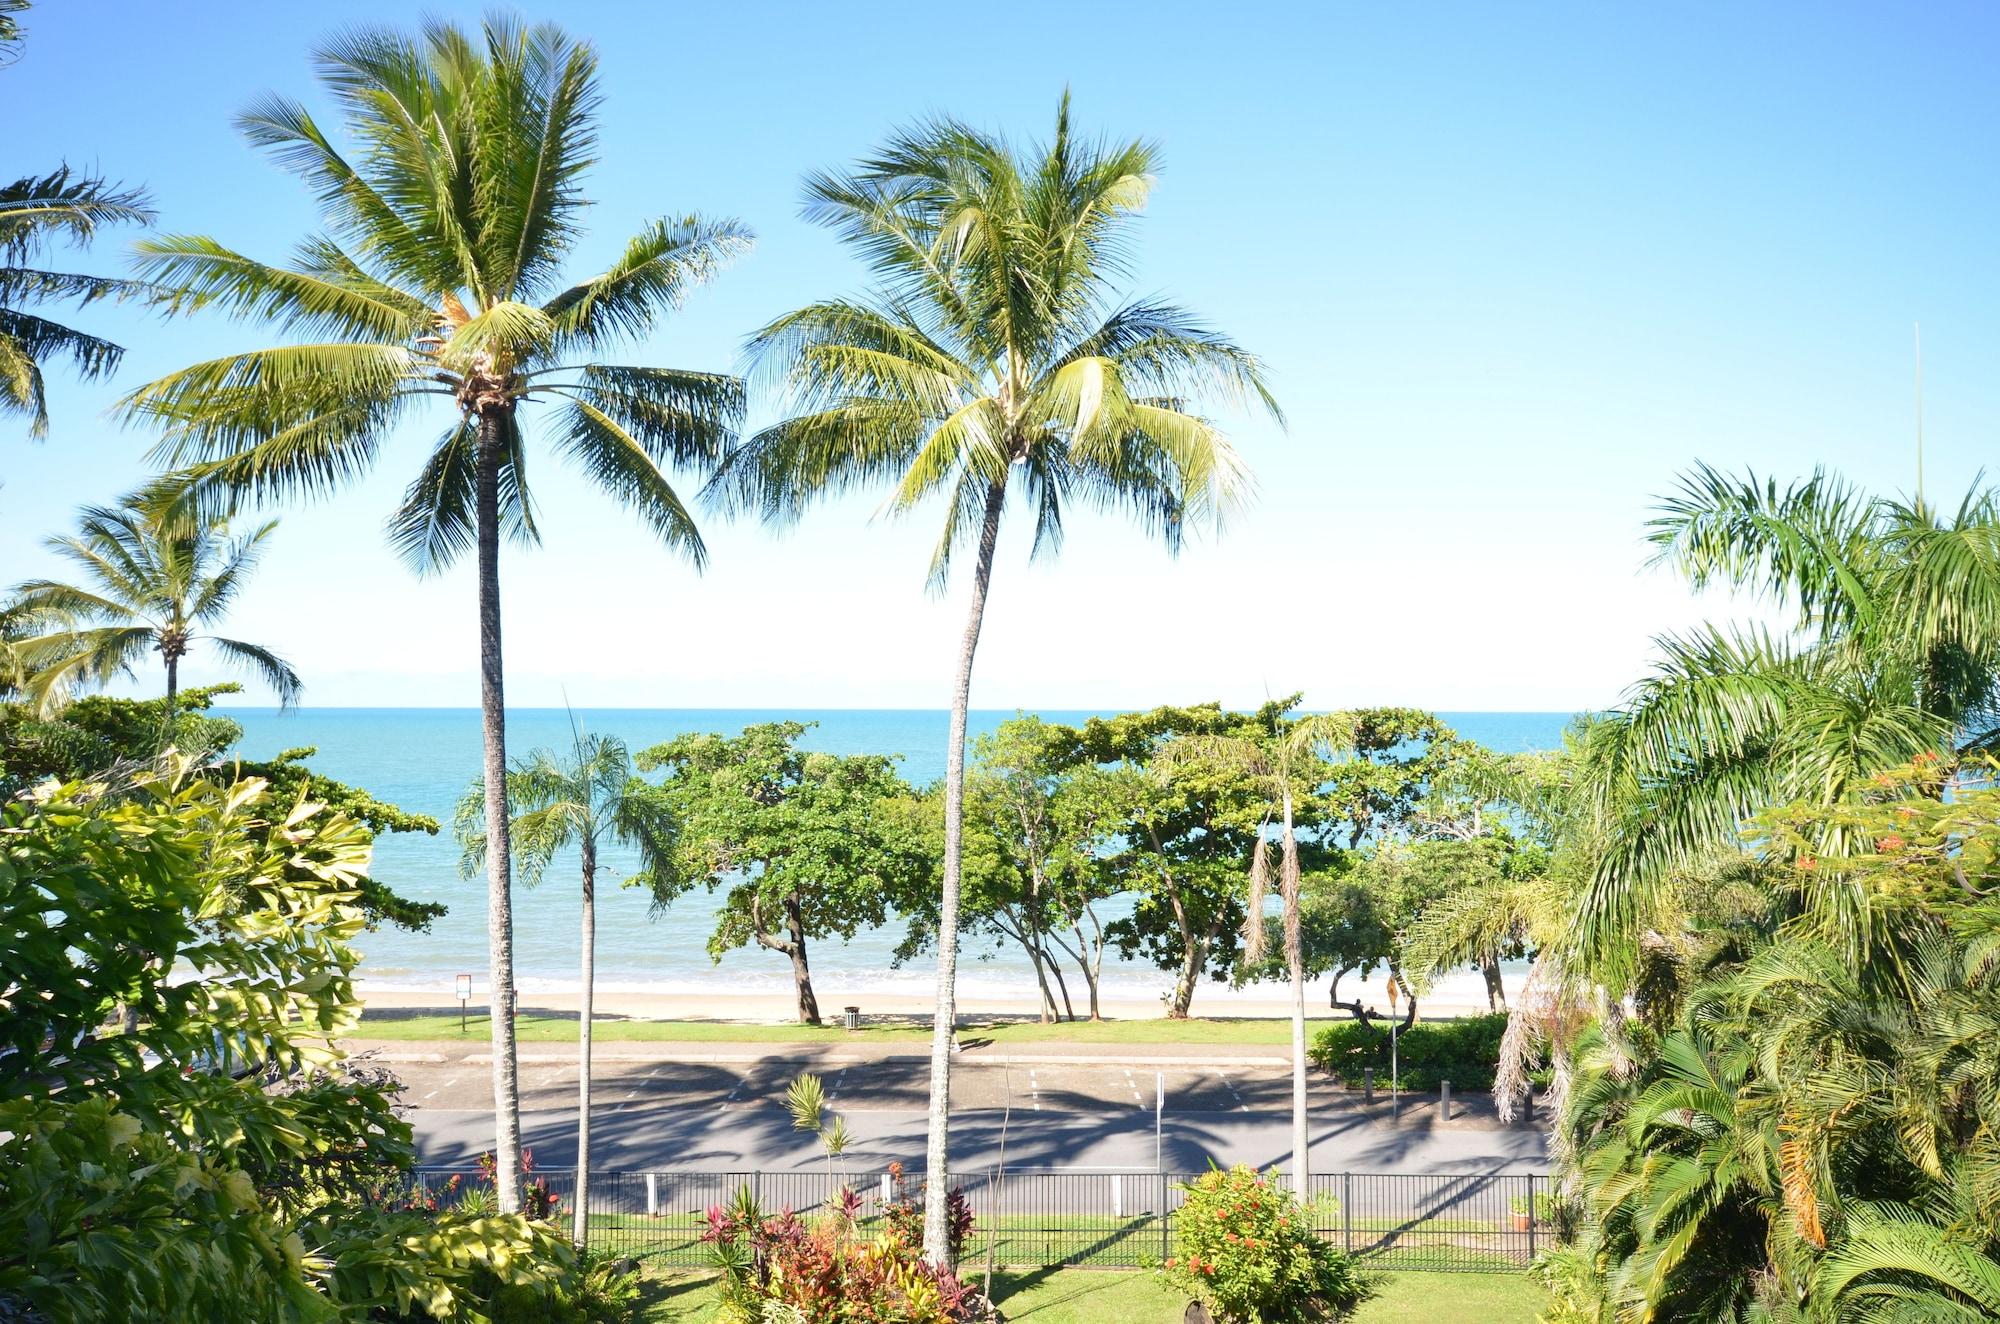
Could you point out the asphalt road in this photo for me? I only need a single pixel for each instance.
(658, 1115)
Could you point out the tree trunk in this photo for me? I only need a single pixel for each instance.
(499, 861)
(173, 690)
(937, 1148)
(1193, 957)
(580, 1227)
(1496, 988)
(1295, 963)
(801, 972)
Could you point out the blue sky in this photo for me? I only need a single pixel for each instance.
(1512, 267)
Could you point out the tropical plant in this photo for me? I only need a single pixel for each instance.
(35, 212)
(805, 1099)
(219, 1160)
(447, 224)
(150, 585)
(990, 357)
(1894, 651)
(1247, 1251)
(809, 845)
(582, 800)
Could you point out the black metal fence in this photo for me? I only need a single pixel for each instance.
(1059, 1217)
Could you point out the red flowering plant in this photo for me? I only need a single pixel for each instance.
(1909, 836)
(537, 1200)
(1245, 1248)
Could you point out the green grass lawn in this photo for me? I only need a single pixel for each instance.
(554, 1027)
(1087, 1296)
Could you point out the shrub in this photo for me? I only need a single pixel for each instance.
(906, 1213)
(784, 1268)
(1247, 1251)
(1464, 1052)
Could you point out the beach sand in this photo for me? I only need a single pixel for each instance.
(1453, 997)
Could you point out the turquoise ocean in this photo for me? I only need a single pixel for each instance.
(423, 758)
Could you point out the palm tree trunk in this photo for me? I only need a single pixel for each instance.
(499, 862)
(937, 1149)
(1295, 961)
(173, 689)
(580, 1229)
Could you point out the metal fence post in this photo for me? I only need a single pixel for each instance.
(1166, 1221)
(1531, 1218)
(1347, 1212)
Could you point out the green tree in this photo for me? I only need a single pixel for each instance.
(439, 276)
(36, 212)
(810, 845)
(991, 357)
(1036, 815)
(150, 585)
(580, 800)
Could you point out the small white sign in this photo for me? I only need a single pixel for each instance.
(464, 987)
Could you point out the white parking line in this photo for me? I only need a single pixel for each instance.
(1133, 1086)
(1034, 1089)
(1224, 1077)
(741, 1081)
(837, 1082)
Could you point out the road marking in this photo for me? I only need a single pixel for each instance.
(431, 1095)
(741, 1081)
(1223, 1075)
(837, 1082)
(1130, 1084)
(1034, 1089)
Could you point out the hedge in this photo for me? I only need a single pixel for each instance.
(1465, 1052)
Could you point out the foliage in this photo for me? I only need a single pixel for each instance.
(1814, 1131)
(149, 585)
(1894, 651)
(35, 213)
(1037, 817)
(905, 1213)
(809, 845)
(217, 1161)
(102, 738)
(437, 274)
(1465, 1052)
(782, 1267)
(1248, 1253)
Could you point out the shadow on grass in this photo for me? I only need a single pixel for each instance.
(674, 1298)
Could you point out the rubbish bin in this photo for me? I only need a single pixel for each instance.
(853, 1016)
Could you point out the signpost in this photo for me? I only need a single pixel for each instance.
(464, 996)
(1159, 1111)
(1395, 1093)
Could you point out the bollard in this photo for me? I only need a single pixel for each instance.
(1368, 1085)
(1528, 1104)
(888, 1190)
(1444, 1101)
(652, 1195)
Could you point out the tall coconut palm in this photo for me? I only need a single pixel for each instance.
(36, 212)
(148, 585)
(438, 280)
(1894, 651)
(581, 801)
(991, 358)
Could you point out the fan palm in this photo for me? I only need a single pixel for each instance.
(579, 801)
(149, 585)
(990, 360)
(439, 278)
(35, 212)
(1894, 652)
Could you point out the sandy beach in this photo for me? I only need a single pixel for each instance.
(1454, 996)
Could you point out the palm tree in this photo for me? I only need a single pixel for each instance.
(439, 277)
(148, 586)
(990, 358)
(1287, 761)
(35, 212)
(1894, 651)
(583, 801)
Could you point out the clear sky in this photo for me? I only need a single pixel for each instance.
(1512, 267)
